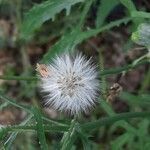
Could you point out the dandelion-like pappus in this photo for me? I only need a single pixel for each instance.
(70, 83)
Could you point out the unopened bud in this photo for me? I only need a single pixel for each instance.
(142, 35)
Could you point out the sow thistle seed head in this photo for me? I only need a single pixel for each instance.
(70, 83)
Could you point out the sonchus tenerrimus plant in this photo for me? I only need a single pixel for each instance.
(70, 83)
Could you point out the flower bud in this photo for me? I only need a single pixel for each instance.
(142, 35)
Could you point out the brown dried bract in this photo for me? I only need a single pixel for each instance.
(113, 92)
(42, 70)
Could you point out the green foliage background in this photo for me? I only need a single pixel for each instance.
(67, 133)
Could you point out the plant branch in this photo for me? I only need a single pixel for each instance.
(18, 78)
(110, 120)
(33, 128)
(118, 70)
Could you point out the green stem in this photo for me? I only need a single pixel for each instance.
(139, 59)
(18, 78)
(28, 128)
(118, 70)
(106, 107)
(101, 64)
(25, 128)
(93, 32)
(2, 106)
(145, 83)
(110, 120)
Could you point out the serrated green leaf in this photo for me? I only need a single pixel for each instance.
(66, 43)
(105, 7)
(8, 143)
(129, 4)
(84, 138)
(43, 12)
(69, 137)
(70, 40)
(131, 8)
(40, 129)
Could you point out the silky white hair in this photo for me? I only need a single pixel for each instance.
(72, 84)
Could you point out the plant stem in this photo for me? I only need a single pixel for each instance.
(2, 106)
(18, 78)
(118, 70)
(93, 32)
(145, 83)
(103, 79)
(110, 120)
(28, 128)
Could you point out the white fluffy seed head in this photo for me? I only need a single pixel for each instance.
(71, 84)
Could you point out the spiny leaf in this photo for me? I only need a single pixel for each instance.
(8, 143)
(2, 132)
(84, 138)
(43, 12)
(64, 44)
(129, 5)
(70, 40)
(69, 137)
(105, 7)
(131, 8)
(40, 129)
